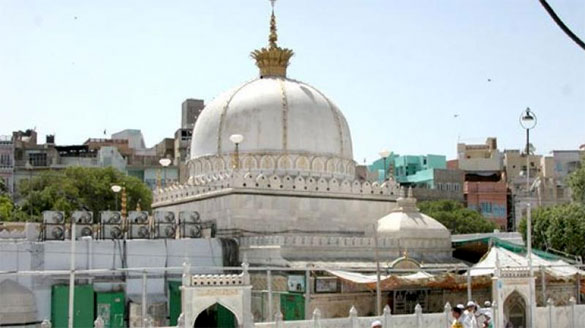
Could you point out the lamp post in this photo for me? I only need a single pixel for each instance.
(165, 162)
(528, 122)
(116, 189)
(384, 153)
(29, 168)
(236, 139)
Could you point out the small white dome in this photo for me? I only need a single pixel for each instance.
(411, 225)
(276, 116)
(416, 233)
(405, 221)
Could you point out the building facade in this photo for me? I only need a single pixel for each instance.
(7, 162)
(488, 198)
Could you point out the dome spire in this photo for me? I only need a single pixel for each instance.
(273, 37)
(273, 60)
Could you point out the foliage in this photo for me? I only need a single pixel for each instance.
(3, 186)
(457, 218)
(576, 182)
(559, 227)
(6, 207)
(78, 188)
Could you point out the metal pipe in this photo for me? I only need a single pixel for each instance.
(378, 283)
(72, 277)
(469, 285)
(89, 242)
(269, 284)
(529, 234)
(307, 293)
(144, 307)
(543, 284)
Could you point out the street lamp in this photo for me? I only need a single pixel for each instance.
(116, 189)
(384, 153)
(165, 162)
(236, 139)
(29, 168)
(528, 122)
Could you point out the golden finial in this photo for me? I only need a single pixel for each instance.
(273, 37)
(273, 60)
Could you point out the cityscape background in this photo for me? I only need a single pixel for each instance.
(76, 69)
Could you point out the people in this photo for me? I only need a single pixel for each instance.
(486, 314)
(457, 313)
(488, 320)
(376, 324)
(469, 319)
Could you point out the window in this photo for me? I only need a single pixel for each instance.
(5, 160)
(38, 159)
(485, 207)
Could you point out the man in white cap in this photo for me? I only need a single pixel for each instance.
(470, 321)
(376, 324)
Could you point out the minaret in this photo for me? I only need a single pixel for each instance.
(273, 60)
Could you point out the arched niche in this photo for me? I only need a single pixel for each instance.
(216, 315)
(515, 309)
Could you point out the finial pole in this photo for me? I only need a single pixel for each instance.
(272, 60)
(272, 37)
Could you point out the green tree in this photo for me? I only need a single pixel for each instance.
(576, 182)
(6, 208)
(456, 217)
(560, 227)
(78, 188)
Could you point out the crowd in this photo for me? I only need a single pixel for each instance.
(471, 316)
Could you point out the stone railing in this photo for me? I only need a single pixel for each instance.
(334, 241)
(572, 316)
(220, 182)
(217, 280)
(416, 320)
(519, 272)
(550, 316)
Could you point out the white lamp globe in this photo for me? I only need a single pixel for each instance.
(236, 138)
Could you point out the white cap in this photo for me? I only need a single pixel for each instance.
(487, 304)
(470, 303)
(461, 306)
(376, 323)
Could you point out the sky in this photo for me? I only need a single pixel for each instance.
(414, 77)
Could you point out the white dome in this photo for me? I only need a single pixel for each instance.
(416, 233)
(277, 117)
(406, 221)
(416, 225)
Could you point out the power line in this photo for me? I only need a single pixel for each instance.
(562, 25)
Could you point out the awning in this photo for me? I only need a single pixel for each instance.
(387, 281)
(509, 259)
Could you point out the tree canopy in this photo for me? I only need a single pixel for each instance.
(560, 228)
(576, 182)
(457, 218)
(78, 188)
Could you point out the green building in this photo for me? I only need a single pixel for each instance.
(418, 170)
(379, 167)
(415, 170)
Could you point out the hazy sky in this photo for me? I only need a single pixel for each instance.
(410, 76)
